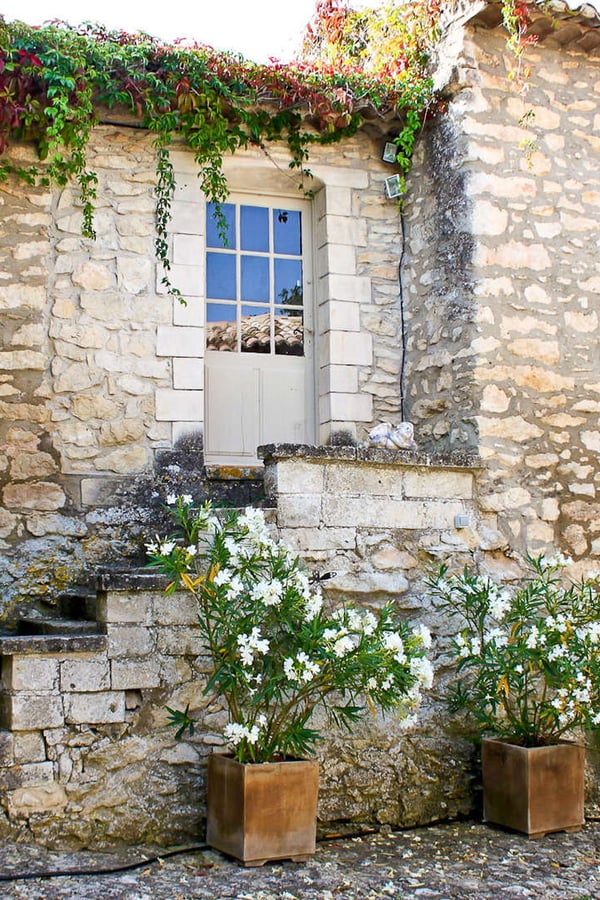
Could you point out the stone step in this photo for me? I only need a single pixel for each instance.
(57, 626)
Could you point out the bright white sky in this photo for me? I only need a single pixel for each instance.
(256, 28)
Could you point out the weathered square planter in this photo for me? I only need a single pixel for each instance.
(535, 790)
(264, 811)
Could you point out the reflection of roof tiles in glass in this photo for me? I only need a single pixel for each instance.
(256, 336)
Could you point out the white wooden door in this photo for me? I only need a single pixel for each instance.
(258, 359)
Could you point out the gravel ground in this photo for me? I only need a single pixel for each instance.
(442, 862)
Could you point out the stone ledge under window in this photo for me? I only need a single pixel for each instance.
(451, 460)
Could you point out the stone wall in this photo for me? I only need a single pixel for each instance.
(86, 757)
(101, 373)
(503, 330)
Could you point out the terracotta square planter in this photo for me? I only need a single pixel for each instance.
(535, 790)
(265, 811)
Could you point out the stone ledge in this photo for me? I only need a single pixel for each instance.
(129, 580)
(451, 460)
(41, 643)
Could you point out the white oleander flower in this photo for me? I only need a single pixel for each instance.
(422, 668)
(269, 592)
(344, 644)
(314, 604)
(422, 632)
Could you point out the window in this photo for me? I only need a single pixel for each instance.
(254, 280)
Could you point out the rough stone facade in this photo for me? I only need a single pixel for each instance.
(86, 757)
(101, 402)
(503, 327)
(488, 343)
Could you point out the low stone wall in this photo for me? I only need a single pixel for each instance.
(86, 756)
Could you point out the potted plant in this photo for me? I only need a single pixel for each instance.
(529, 679)
(276, 654)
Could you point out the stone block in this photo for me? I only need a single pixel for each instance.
(31, 774)
(346, 347)
(438, 485)
(190, 314)
(180, 340)
(186, 217)
(307, 540)
(7, 742)
(42, 495)
(340, 379)
(30, 673)
(85, 673)
(188, 279)
(179, 641)
(337, 259)
(180, 406)
(27, 801)
(95, 708)
(338, 176)
(297, 477)
(338, 200)
(348, 288)
(29, 747)
(342, 230)
(364, 481)
(129, 641)
(382, 512)
(299, 510)
(127, 675)
(188, 250)
(180, 608)
(33, 711)
(123, 460)
(119, 607)
(339, 315)
(351, 407)
(188, 374)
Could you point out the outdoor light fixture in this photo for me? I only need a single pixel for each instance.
(392, 187)
(461, 521)
(390, 152)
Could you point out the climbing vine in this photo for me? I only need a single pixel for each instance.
(55, 79)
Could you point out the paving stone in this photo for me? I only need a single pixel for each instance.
(451, 861)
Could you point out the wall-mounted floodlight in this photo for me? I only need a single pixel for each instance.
(392, 187)
(461, 521)
(390, 152)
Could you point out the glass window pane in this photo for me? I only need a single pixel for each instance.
(221, 327)
(254, 228)
(255, 278)
(289, 332)
(220, 276)
(256, 329)
(288, 281)
(287, 233)
(214, 226)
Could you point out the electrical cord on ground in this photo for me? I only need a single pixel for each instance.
(149, 860)
(108, 870)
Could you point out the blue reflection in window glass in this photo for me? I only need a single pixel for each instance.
(220, 276)
(254, 228)
(255, 278)
(288, 281)
(220, 312)
(287, 233)
(213, 238)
